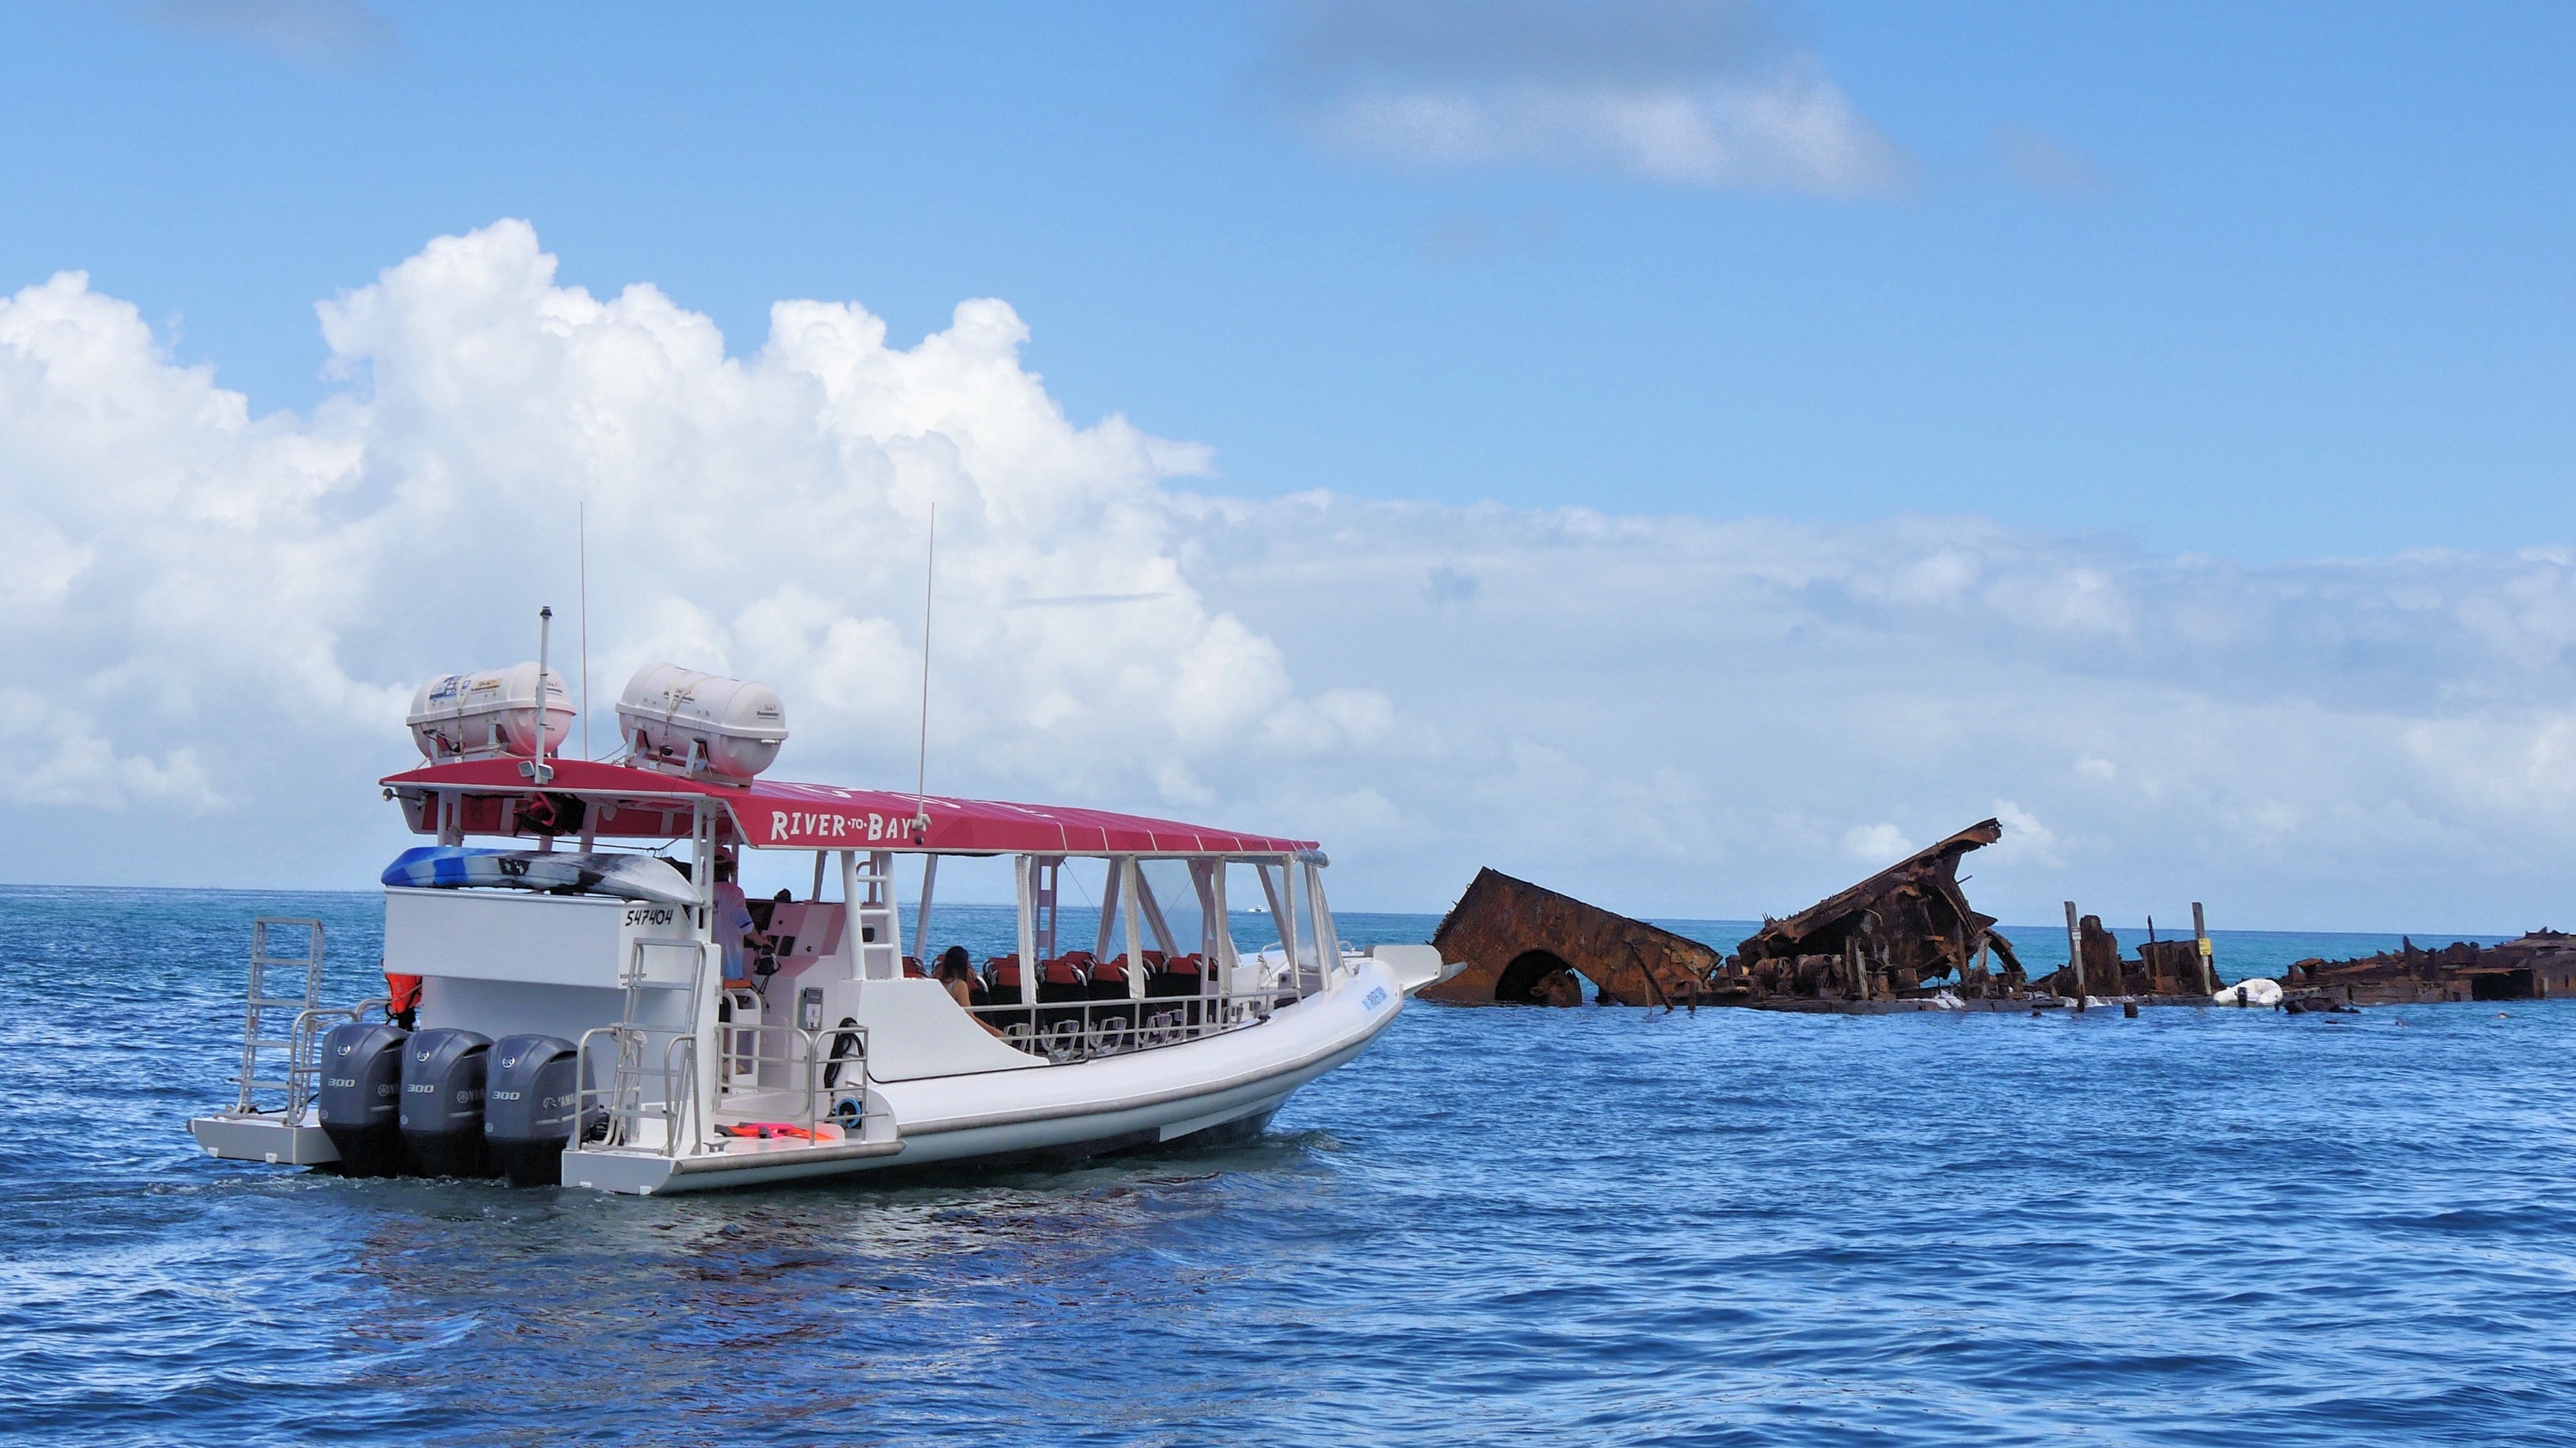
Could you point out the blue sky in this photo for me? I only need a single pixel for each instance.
(1688, 454)
(2299, 286)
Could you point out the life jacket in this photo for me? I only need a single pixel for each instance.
(403, 992)
(764, 1130)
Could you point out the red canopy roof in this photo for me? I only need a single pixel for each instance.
(775, 815)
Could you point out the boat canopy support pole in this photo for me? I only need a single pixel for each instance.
(710, 982)
(1047, 874)
(1108, 910)
(850, 956)
(1319, 913)
(1127, 917)
(1216, 927)
(702, 864)
(1283, 913)
(1200, 885)
(1025, 867)
(819, 857)
(921, 917)
(1154, 920)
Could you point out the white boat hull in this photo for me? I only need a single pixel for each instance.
(1140, 1098)
(1109, 1103)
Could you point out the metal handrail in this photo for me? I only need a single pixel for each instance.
(304, 1051)
(822, 1098)
(679, 1086)
(612, 1109)
(620, 1105)
(1150, 1021)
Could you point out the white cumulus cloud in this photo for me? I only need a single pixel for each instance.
(1692, 94)
(212, 622)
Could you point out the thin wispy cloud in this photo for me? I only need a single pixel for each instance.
(2044, 163)
(336, 35)
(1710, 94)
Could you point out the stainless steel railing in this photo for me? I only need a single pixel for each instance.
(640, 1091)
(824, 1068)
(1083, 1030)
(304, 1051)
(652, 1106)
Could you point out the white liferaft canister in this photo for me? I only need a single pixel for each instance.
(495, 712)
(676, 718)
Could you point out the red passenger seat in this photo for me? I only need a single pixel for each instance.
(1109, 979)
(1002, 981)
(1182, 976)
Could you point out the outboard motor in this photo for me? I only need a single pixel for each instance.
(530, 1098)
(442, 1102)
(361, 1097)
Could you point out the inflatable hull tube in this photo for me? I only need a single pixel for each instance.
(530, 1097)
(459, 867)
(361, 1097)
(442, 1102)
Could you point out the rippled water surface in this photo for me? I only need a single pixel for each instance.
(1509, 1226)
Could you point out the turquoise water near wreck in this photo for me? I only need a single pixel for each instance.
(1499, 1226)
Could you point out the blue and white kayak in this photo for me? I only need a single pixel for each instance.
(457, 867)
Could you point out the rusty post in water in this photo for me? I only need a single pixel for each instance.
(2075, 954)
(2200, 933)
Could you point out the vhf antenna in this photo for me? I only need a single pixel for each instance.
(536, 768)
(581, 556)
(921, 762)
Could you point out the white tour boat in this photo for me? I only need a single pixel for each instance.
(593, 1002)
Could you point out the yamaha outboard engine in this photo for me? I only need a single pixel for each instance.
(361, 1097)
(442, 1102)
(531, 1095)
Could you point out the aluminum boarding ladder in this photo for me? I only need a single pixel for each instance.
(647, 1075)
(269, 1021)
(879, 942)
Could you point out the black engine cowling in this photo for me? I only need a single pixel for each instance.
(442, 1102)
(531, 1096)
(361, 1097)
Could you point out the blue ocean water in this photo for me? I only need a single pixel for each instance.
(1499, 1226)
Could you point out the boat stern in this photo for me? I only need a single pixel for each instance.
(263, 1137)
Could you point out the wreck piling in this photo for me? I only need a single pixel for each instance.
(2200, 933)
(2075, 953)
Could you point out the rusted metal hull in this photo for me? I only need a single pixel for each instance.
(2539, 966)
(1903, 939)
(1525, 944)
(1896, 934)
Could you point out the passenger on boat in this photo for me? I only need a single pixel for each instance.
(735, 929)
(957, 972)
